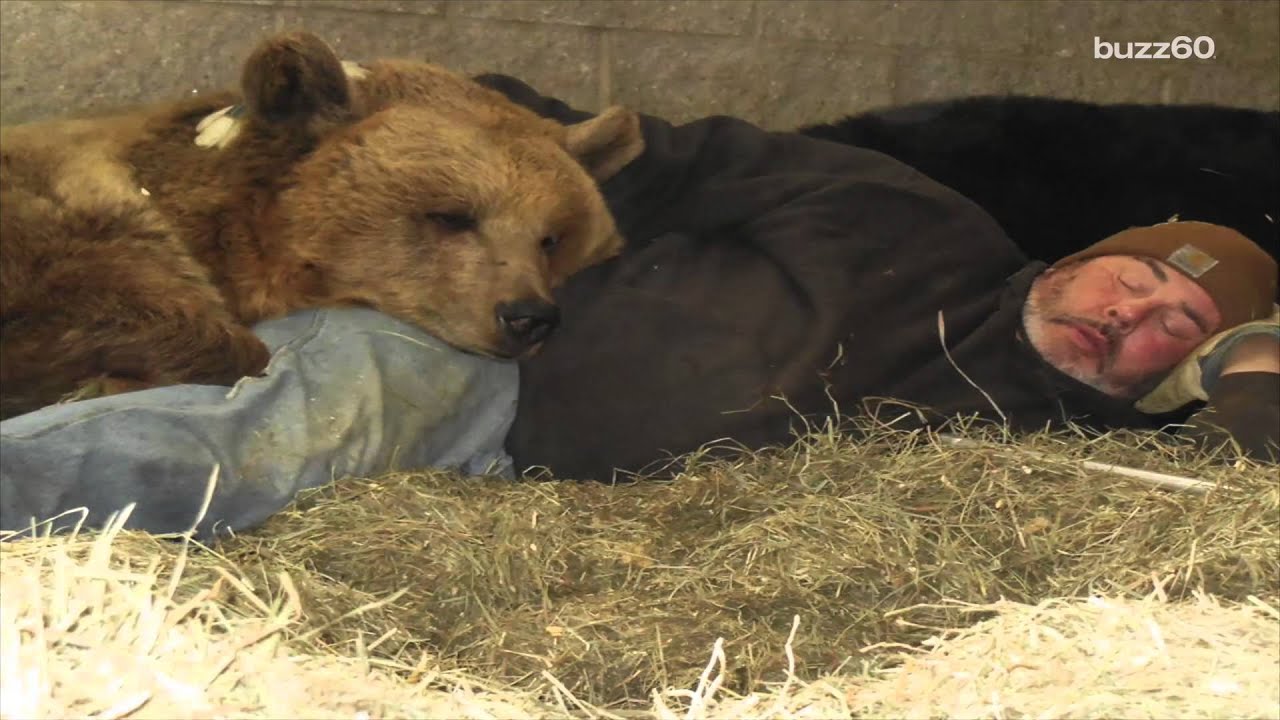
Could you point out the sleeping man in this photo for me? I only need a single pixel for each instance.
(769, 279)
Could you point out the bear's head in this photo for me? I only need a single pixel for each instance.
(418, 192)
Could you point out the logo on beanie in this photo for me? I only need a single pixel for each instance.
(1191, 260)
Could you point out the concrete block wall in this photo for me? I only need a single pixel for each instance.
(776, 62)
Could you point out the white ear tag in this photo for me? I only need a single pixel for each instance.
(220, 128)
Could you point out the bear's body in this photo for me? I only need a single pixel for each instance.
(133, 257)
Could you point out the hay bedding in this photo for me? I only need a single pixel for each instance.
(92, 628)
(826, 565)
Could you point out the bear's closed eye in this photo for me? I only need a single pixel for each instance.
(453, 222)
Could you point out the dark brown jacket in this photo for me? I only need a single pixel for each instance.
(771, 277)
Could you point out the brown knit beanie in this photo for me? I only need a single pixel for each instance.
(1237, 274)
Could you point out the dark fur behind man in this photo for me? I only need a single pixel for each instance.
(1060, 175)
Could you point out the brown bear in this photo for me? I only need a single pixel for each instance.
(131, 256)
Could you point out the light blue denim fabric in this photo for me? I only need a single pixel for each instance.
(349, 392)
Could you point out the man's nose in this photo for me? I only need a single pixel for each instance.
(1126, 314)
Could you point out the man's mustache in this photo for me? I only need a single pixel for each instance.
(1111, 334)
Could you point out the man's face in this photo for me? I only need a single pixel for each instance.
(1118, 323)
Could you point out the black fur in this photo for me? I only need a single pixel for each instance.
(1060, 175)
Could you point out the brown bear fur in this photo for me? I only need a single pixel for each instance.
(131, 257)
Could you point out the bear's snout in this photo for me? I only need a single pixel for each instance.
(527, 322)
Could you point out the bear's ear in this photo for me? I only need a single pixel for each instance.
(294, 78)
(607, 142)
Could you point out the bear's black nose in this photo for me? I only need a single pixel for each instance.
(528, 322)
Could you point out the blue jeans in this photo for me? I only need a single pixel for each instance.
(349, 392)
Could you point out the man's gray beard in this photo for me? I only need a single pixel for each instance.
(1046, 290)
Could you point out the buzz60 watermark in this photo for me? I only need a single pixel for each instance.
(1180, 48)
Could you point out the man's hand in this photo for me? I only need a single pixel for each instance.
(1243, 412)
(1251, 347)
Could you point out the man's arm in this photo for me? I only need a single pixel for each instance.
(1254, 354)
(1244, 402)
(698, 174)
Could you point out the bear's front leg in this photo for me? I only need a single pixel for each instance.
(75, 356)
(125, 314)
(209, 349)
